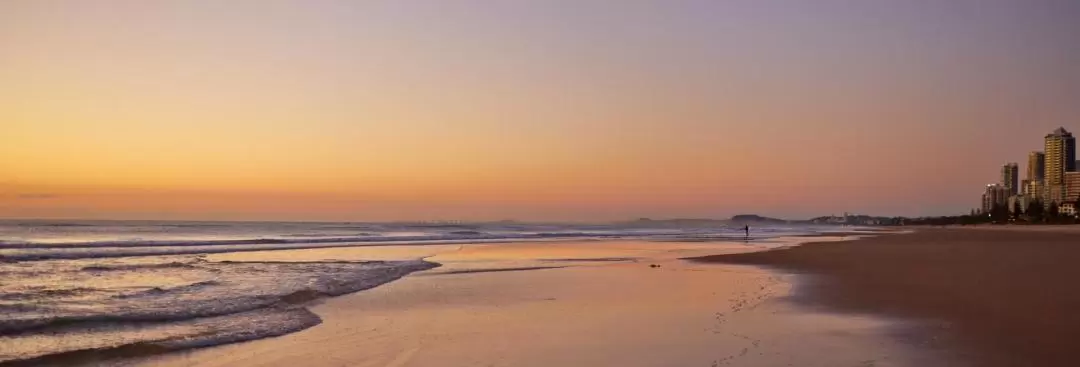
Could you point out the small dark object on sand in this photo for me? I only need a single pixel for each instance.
(654, 265)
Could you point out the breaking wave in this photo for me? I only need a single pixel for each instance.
(197, 304)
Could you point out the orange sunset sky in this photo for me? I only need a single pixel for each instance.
(531, 110)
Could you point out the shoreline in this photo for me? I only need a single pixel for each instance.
(148, 325)
(475, 259)
(990, 297)
(628, 313)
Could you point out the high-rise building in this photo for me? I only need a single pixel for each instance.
(1060, 149)
(1019, 204)
(1010, 178)
(1072, 187)
(1036, 168)
(1054, 195)
(995, 195)
(1060, 156)
(1034, 189)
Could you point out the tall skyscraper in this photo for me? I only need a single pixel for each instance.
(995, 195)
(1060, 158)
(1036, 168)
(1010, 178)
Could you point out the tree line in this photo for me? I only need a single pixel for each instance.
(1035, 213)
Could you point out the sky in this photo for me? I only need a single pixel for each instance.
(583, 110)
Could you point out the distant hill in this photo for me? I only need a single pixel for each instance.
(704, 222)
(677, 223)
(754, 218)
(861, 220)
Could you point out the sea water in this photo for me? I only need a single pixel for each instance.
(101, 288)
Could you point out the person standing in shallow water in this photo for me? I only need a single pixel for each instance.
(747, 229)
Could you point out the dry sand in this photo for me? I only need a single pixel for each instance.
(993, 296)
(593, 308)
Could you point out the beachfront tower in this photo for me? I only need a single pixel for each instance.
(1010, 179)
(1060, 158)
(1036, 168)
(1072, 187)
(995, 195)
(1034, 189)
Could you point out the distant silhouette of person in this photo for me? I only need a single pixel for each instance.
(747, 229)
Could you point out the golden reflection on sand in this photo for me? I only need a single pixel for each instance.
(613, 303)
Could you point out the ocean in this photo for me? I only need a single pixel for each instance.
(96, 289)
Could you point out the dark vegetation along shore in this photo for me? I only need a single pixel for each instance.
(990, 297)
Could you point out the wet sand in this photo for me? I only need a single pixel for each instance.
(612, 303)
(1005, 296)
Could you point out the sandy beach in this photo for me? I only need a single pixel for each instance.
(987, 296)
(625, 303)
(992, 296)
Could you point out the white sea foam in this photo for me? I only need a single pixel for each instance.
(61, 306)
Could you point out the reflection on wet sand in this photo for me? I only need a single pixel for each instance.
(626, 303)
